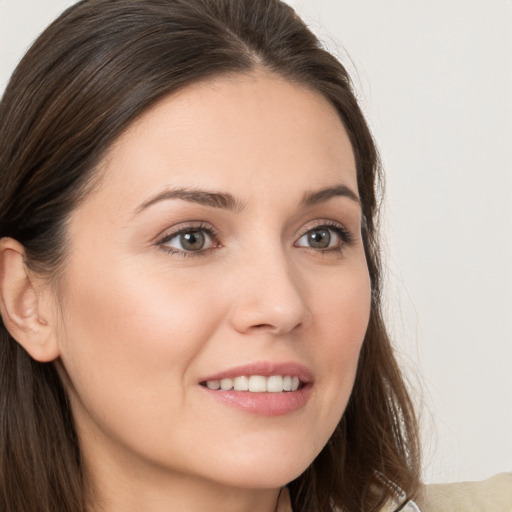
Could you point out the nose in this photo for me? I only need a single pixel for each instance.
(270, 296)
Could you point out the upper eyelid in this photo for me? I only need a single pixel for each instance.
(202, 225)
(321, 222)
(347, 236)
(329, 223)
(174, 231)
(184, 227)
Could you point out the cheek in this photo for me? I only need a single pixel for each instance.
(341, 309)
(132, 334)
(341, 317)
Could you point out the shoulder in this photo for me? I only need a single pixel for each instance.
(492, 495)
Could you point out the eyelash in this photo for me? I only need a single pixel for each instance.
(344, 235)
(205, 228)
(346, 238)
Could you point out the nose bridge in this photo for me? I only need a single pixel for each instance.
(270, 294)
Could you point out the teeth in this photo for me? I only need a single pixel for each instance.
(213, 384)
(241, 384)
(226, 384)
(256, 384)
(275, 384)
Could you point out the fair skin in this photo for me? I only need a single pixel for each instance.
(163, 291)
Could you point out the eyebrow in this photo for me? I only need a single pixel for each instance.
(212, 199)
(320, 196)
(229, 202)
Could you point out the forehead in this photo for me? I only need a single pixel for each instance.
(243, 133)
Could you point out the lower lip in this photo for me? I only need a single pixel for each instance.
(263, 404)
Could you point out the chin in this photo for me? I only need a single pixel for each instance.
(272, 476)
(265, 469)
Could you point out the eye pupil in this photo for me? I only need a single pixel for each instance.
(319, 238)
(192, 240)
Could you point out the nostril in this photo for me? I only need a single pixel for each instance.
(277, 329)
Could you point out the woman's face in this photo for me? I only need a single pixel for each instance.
(222, 247)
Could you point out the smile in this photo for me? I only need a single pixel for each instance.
(256, 384)
(264, 388)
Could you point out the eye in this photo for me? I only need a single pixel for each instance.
(325, 237)
(189, 240)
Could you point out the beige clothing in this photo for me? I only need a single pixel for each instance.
(493, 495)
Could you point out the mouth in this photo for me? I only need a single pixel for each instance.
(262, 388)
(256, 384)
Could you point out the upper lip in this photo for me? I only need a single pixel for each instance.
(265, 369)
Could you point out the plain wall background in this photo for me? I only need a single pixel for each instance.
(435, 80)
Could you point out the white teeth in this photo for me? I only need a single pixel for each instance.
(256, 384)
(241, 384)
(226, 384)
(275, 384)
(213, 384)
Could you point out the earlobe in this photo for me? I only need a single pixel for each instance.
(20, 304)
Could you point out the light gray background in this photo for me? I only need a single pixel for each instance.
(435, 79)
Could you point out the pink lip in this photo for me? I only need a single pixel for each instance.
(266, 369)
(264, 404)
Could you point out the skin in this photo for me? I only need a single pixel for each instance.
(137, 326)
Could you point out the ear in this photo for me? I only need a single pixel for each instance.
(24, 304)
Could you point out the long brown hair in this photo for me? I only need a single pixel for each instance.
(99, 66)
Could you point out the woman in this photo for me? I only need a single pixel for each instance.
(190, 275)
